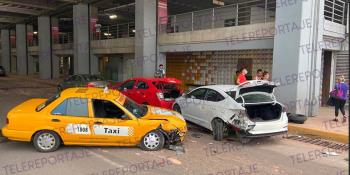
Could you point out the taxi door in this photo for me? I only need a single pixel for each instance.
(71, 119)
(112, 125)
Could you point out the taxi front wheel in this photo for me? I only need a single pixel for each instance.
(46, 141)
(152, 141)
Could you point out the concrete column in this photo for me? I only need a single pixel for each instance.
(161, 59)
(30, 36)
(146, 37)
(21, 49)
(13, 55)
(30, 65)
(93, 57)
(54, 40)
(297, 57)
(45, 51)
(94, 64)
(129, 70)
(5, 50)
(81, 39)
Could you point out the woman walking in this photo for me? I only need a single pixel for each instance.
(339, 94)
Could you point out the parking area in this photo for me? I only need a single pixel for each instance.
(266, 156)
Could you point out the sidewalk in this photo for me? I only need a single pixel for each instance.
(323, 126)
(35, 78)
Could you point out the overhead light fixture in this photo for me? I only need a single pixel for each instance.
(113, 16)
(107, 34)
(35, 32)
(133, 31)
(219, 2)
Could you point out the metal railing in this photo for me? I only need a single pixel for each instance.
(335, 11)
(250, 12)
(124, 30)
(33, 42)
(64, 38)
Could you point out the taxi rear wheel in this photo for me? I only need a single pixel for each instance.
(46, 141)
(152, 141)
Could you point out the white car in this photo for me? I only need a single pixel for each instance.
(249, 109)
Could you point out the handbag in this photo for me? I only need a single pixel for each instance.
(330, 101)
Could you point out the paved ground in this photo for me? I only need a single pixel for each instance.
(270, 156)
(324, 122)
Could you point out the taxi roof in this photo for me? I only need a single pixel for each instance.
(93, 93)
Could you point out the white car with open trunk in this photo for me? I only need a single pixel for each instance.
(249, 109)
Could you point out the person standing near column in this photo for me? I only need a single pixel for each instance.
(339, 94)
(160, 72)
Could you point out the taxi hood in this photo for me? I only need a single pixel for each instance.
(156, 113)
(28, 106)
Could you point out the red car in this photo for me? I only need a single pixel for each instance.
(160, 92)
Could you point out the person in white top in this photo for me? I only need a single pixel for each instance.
(160, 72)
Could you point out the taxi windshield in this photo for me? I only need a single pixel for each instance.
(136, 109)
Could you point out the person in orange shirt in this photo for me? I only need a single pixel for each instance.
(242, 76)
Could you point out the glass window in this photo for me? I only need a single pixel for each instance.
(127, 85)
(77, 78)
(47, 102)
(214, 96)
(198, 94)
(107, 109)
(231, 94)
(74, 78)
(255, 98)
(93, 78)
(142, 85)
(77, 107)
(136, 109)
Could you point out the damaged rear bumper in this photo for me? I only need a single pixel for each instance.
(249, 135)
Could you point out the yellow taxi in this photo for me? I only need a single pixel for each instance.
(93, 117)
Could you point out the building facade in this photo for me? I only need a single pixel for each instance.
(303, 44)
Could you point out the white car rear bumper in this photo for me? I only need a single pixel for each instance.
(265, 128)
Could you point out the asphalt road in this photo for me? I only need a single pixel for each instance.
(203, 155)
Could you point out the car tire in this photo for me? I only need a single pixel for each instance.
(218, 129)
(152, 141)
(296, 118)
(52, 142)
(177, 108)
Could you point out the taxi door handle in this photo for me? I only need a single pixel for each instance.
(55, 120)
(98, 123)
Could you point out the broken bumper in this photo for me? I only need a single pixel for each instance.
(174, 137)
(265, 135)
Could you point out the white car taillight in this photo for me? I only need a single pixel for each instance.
(160, 95)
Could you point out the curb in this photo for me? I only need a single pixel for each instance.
(343, 138)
